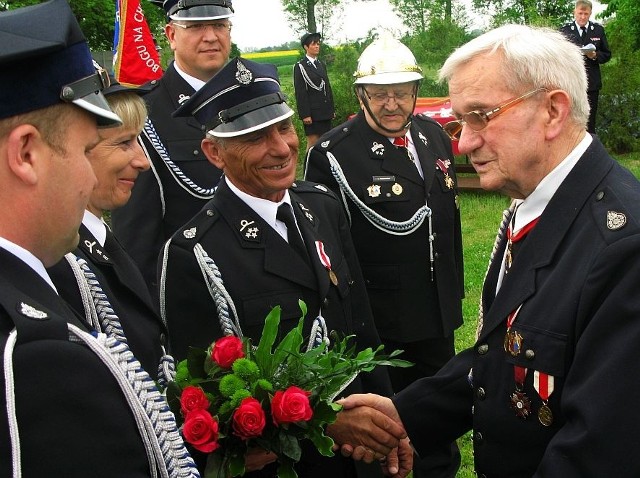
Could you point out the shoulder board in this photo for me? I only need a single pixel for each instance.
(303, 187)
(427, 120)
(335, 136)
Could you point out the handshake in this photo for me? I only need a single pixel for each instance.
(368, 429)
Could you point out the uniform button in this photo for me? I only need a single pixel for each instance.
(478, 439)
(481, 394)
(388, 195)
(195, 152)
(325, 302)
(436, 255)
(530, 354)
(483, 349)
(599, 195)
(210, 212)
(434, 235)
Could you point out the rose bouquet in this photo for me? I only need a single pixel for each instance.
(235, 395)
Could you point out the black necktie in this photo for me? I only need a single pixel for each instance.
(285, 214)
(583, 35)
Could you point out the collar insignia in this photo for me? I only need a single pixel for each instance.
(249, 230)
(190, 233)
(31, 312)
(377, 148)
(424, 140)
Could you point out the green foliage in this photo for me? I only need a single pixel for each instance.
(618, 122)
(530, 12)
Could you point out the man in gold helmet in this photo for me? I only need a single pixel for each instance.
(394, 173)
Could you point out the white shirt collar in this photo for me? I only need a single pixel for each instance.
(536, 202)
(311, 59)
(195, 83)
(266, 209)
(96, 226)
(29, 259)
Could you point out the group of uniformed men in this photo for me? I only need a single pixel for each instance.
(373, 246)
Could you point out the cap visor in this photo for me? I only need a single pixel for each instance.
(96, 104)
(253, 121)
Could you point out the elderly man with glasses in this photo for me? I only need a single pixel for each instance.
(546, 389)
(394, 172)
(181, 180)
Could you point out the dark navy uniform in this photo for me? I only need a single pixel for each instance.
(180, 182)
(595, 35)
(314, 97)
(415, 291)
(126, 290)
(577, 276)
(259, 271)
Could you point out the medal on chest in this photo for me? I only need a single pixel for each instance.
(326, 262)
(444, 165)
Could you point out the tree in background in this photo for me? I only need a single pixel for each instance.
(302, 13)
(96, 18)
(551, 13)
(619, 111)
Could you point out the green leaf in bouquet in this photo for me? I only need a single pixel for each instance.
(236, 464)
(215, 467)
(289, 446)
(322, 442)
(173, 398)
(267, 339)
(285, 469)
(195, 362)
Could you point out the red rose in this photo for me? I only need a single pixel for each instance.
(290, 406)
(226, 351)
(193, 398)
(200, 429)
(249, 419)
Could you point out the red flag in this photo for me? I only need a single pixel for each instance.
(135, 58)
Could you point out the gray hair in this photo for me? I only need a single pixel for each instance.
(534, 57)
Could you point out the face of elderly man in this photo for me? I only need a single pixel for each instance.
(508, 153)
(261, 163)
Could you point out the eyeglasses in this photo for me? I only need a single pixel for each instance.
(478, 120)
(200, 28)
(380, 98)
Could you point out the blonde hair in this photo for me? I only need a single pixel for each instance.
(130, 107)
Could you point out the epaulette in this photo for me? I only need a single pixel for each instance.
(427, 119)
(335, 136)
(302, 187)
(193, 230)
(149, 86)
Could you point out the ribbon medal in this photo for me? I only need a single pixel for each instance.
(326, 262)
(544, 385)
(444, 165)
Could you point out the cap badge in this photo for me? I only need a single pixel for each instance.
(243, 75)
(615, 220)
(31, 312)
(377, 148)
(190, 233)
(249, 230)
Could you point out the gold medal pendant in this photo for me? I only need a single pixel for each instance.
(397, 189)
(448, 181)
(513, 342)
(545, 415)
(333, 277)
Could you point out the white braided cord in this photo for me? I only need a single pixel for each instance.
(223, 301)
(181, 178)
(10, 397)
(155, 421)
(398, 228)
(506, 217)
(309, 82)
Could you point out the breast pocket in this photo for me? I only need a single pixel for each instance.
(380, 192)
(541, 350)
